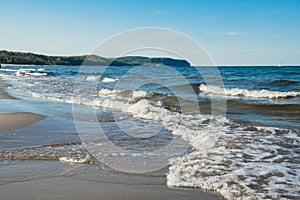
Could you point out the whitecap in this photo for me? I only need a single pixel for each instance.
(92, 78)
(84, 160)
(237, 92)
(109, 80)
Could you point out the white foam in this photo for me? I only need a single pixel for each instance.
(92, 78)
(40, 69)
(29, 72)
(29, 69)
(236, 92)
(107, 92)
(139, 94)
(84, 160)
(37, 74)
(109, 80)
(244, 165)
(123, 95)
(8, 70)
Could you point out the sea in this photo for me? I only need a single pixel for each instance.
(230, 130)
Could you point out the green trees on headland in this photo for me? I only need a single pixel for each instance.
(9, 57)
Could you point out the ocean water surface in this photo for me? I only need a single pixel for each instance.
(252, 152)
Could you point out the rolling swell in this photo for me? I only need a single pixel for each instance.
(242, 112)
(274, 109)
(281, 82)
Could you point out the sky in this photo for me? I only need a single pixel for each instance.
(233, 32)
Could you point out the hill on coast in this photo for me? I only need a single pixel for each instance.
(10, 57)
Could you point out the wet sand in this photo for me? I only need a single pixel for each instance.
(12, 121)
(89, 182)
(2, 84)
(69, 188)
(3, 94)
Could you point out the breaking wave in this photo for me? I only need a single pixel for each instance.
(109, 80)
(251, 163)
(236, 92)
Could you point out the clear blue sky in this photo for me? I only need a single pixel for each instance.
(233, 32)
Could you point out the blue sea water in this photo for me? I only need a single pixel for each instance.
(241, 124)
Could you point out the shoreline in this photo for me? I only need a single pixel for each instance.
(4, 94)
(12, 121)
(56, 180)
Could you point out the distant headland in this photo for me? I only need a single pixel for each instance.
(22, 58)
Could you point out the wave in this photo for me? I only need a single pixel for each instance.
(128, 95)
(69, 152)
(237, 92)
(194, 86)
(107, 92)
(281, 82)
(71, 160)
(252, 163)
(109, 80)
(8, 70)
(138, 94)
(291, 73)
(33, 72)
(92, 78)
(48, 152)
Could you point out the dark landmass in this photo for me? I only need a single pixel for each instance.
(9, 57)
